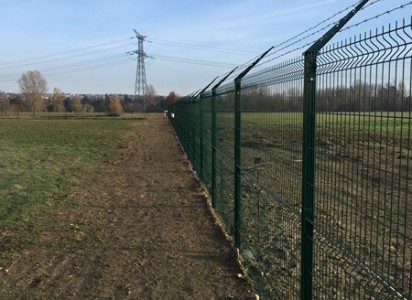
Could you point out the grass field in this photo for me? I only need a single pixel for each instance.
(365, 123)
(40, 161)
(72, 115)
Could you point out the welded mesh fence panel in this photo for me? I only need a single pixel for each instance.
(225, 190)
(271, 162)
(194, 107)
(363, 155)
(185, 118)
(205, 171)
(363, 225)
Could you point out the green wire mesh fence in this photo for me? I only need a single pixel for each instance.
(363, 153)
(362, 224)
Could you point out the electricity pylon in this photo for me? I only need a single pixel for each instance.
(140, 88)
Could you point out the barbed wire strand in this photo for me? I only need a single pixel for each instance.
(402, 6)
(329, 25)
(271, 56)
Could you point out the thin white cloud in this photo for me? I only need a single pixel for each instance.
(295, 9)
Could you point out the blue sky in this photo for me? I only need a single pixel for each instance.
(81, 46)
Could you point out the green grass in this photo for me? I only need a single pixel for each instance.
(72, 115)
(395, 124)
(38, 161)
(376, 124)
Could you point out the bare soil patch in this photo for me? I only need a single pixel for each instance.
(137, 227)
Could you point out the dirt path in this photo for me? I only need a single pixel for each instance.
(141, 231)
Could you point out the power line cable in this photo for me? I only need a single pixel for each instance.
(96, 62)
(87, 68)
(64, 52)
(81, 65)
(108, 61)
(51, 60)
(200, 46)
(192, 61)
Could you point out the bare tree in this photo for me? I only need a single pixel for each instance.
(4, 103)
(116, 106)
(77, 106)
(33, 87)
(57, 100)
(151, 95)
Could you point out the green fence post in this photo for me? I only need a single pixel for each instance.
(238, 196)
(308, 173)
(214, 143)
(214, 136)
(201, 128)
(191, 128)
(200, 171)
(308, 152)
(238, 128)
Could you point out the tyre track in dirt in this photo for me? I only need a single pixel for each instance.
(140, 228)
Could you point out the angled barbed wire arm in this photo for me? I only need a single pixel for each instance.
(192, 96)
(237, 166)
(207, 86)
(201, 129)
(308, 153)
(214, 135)
(253, 64)
(214, 88)
(320, 43)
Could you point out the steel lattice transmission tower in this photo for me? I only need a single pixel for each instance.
(140, 84)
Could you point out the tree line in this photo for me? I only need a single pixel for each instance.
(33, 97)
(359, 96)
